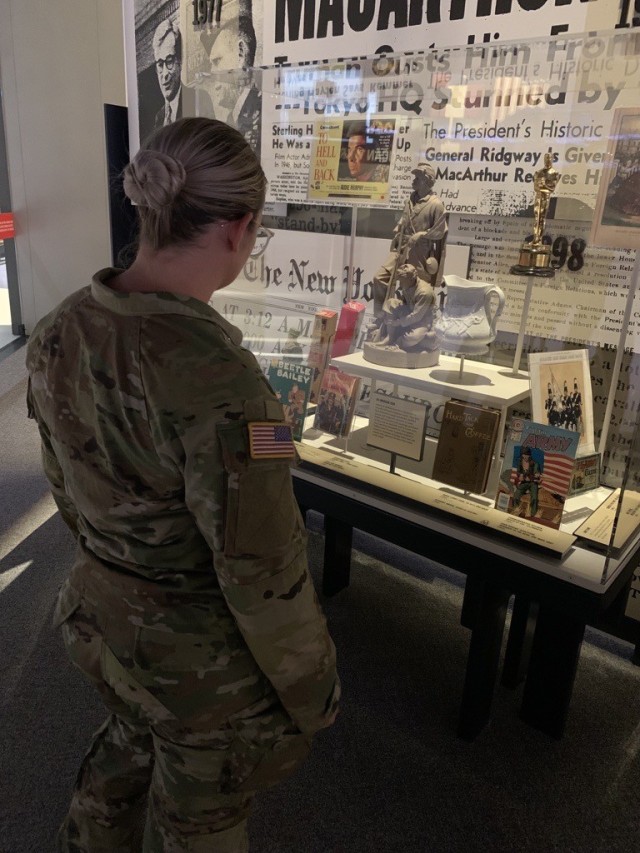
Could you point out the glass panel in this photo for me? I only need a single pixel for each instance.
(527, 303)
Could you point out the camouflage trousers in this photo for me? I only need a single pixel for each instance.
(195, 729)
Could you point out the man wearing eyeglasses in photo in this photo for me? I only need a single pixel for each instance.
(167, 56)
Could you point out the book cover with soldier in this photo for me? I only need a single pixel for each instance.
(465, 446)
(351, 159)
(291, 382)
(336, 402)
(537, 471)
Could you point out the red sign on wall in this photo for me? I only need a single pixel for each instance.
(7, 226)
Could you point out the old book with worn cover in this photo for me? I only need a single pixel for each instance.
(466, 444)
(291, 382)
(336, 402)
(537, 470)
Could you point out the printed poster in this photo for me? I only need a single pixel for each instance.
(300, 30)
(483, 117)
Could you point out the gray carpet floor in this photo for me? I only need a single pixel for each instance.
(391, 774)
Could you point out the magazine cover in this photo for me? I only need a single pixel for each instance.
(336, 402)
(351, 159)
(291, 382)
(537, 470)
(561, 394)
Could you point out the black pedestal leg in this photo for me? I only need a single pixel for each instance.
(552, 671)
(518, 651)
(490, 610)
(472, 601)
(337, 555)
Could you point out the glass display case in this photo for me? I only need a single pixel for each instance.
(445, 296)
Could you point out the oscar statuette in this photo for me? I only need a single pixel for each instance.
(535, 256)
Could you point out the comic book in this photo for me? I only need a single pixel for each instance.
(336, 402)
(537, 470)
(291, 382)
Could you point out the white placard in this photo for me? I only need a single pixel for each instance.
(397, 425)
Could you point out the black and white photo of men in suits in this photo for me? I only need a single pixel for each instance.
(163, 96)
(236, 98)
(167, 57)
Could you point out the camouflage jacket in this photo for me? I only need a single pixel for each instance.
(143, 403)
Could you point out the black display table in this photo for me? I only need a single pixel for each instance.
(550, 613)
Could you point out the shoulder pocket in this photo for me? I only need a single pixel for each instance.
(261, 516)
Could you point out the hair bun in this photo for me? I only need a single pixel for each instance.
(153, 179)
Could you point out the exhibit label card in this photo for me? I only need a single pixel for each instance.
(623, 516)
(397, 425)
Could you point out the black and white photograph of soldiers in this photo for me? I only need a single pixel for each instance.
(564, 409)
(561, 393)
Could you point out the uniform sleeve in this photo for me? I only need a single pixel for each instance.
(247, 512)
(52, 469)
(421, 308)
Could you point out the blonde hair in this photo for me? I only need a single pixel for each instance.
(189, 174)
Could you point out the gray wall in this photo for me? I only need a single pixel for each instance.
(58, 64)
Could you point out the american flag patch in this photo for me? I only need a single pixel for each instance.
(271, 441)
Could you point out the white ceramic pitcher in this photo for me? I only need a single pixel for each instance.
(468, 325)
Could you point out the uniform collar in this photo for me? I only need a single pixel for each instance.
(146, 304)
(418, 202)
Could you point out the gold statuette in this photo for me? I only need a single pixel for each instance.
(535, 256)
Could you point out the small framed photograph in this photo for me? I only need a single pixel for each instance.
(561, 393)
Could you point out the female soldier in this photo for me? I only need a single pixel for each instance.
(189, 604)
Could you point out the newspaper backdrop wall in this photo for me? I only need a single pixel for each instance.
(482, 114)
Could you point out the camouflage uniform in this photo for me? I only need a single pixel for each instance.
(189, 604)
